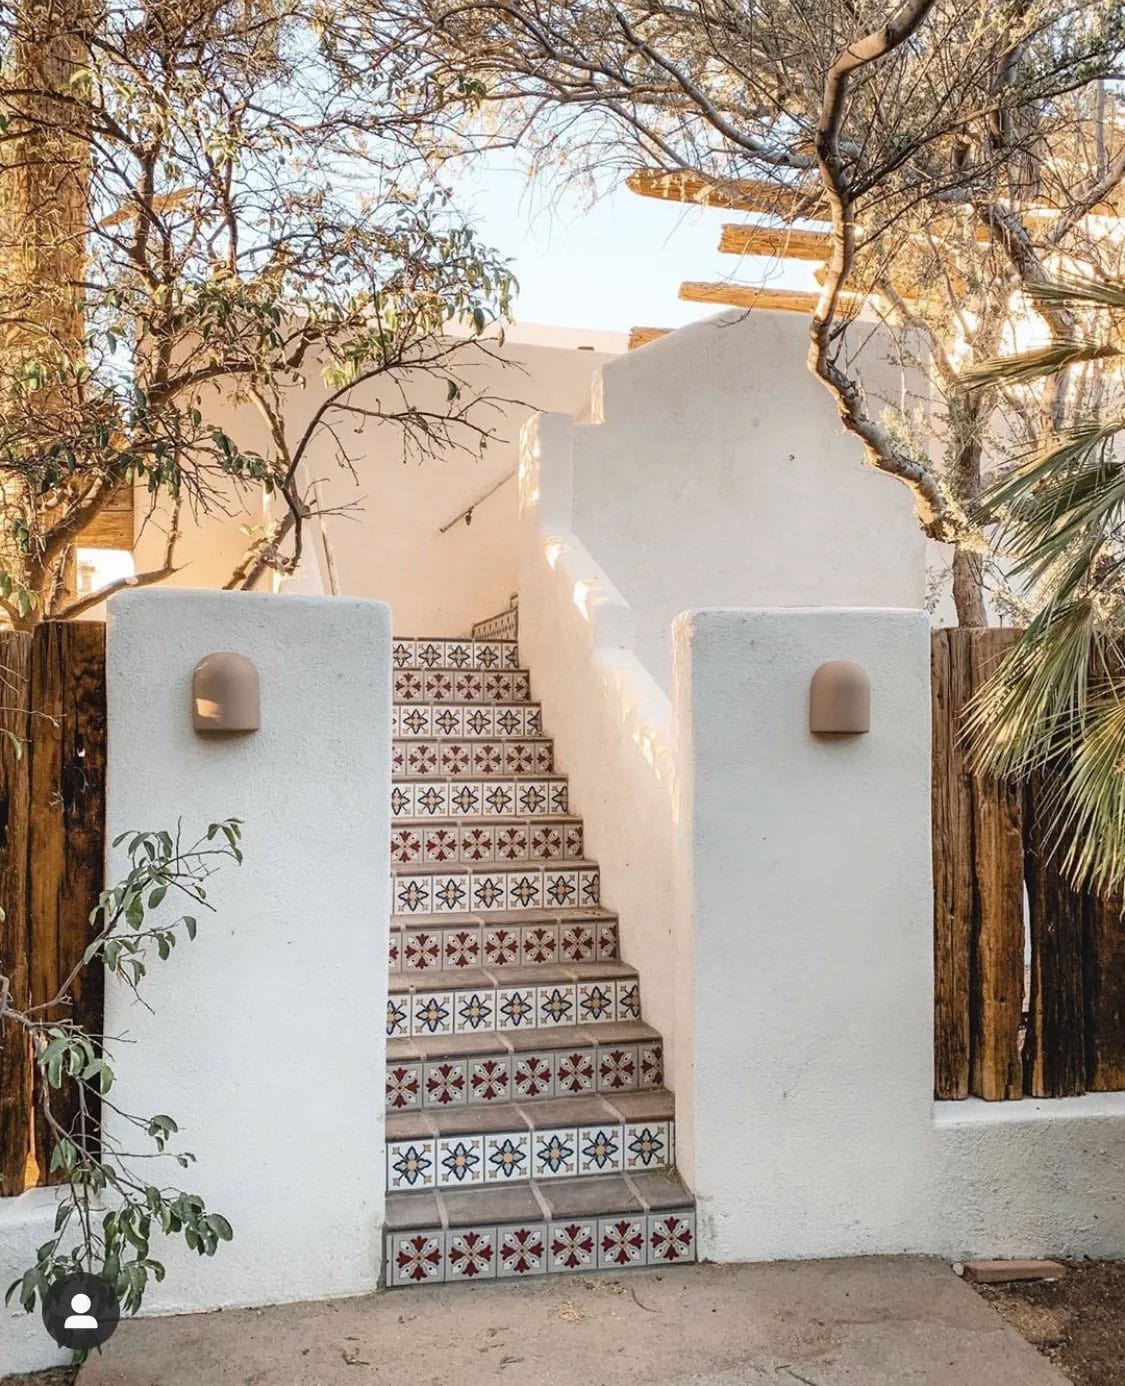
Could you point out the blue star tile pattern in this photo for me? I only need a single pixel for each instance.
(507, 1157)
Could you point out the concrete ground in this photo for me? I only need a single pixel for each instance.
(871, 1322)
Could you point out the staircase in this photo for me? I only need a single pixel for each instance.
(528, 1129)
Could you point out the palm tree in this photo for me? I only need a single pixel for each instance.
(1057, 702)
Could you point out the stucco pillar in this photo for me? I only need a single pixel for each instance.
(803, 1076)
(266, 1036)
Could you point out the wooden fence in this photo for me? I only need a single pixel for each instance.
(1003, 1028)
(52, 851)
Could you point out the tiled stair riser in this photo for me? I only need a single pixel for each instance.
(503, 626)
(503, 842)
(487, 1078)
(424, 1012)
(428, 950)
(449, 759)
(468, 721)
(435, 800)
(525, 886)
(522, 1250)
(465, 1160)
(423, 653)
(461, 686)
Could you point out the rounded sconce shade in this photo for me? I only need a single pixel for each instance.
(224, 694)
(840, 699)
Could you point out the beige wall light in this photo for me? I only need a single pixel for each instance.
(224, 694)
(840, 699)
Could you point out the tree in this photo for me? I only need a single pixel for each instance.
(1058, 700)
(204, 201)
(110, 1210)
(954, 150)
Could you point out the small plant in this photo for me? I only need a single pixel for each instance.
(108, 1213)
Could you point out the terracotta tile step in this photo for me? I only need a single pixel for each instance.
(465, 686)
(424, 652)
(564, 1061)
(550, 1226)
(459, 720)
(451, 759)
(510, 1142)
(508, 999)
(423, 948)
(475, 796)
(436, 891)
(513, 840)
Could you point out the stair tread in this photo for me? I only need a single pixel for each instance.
(541, 1114)
(442, 868)
(468, 919)
(435, 1048)
(587, 1196)
(473, 777)
(524, 975)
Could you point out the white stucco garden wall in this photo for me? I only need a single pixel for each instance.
(714, 471)
(266, 1036)
(383, 524)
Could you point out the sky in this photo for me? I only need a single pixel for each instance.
(614, 265)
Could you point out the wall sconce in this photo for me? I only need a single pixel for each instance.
(840, 699)
(225, 694)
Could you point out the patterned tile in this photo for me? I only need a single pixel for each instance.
(406, 845)
(650, 1058)
(475, 1011)
(607, 944)
(470, 1253)
(599, 1149)
(554, 1154)
(523, 1250)
(440, 844)
(421, 950)
(671, 1237)
(577, 943)
(404, 1086)
(648, 1145)
(621, 1242)
(572, 1245)
(415, 721)
(477, 844)
(416, 1258)
(540, 944)
(628, 999)
(560, 888)
(410, 1165)
(617, 1068)
(532, 1076)
(398, 1017)
(460, 948)
(574, 1072)
(451, 893)
(490, 1080)
(460, 1161)
(502, 947)
(507, 1156)
(445, 1083)
(515, 1008)
(555, 1005)
(596, 1001)
(432, 1013)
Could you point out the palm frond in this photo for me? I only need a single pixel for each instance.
(1026, 367)
(1077, 293)
(1089, 828)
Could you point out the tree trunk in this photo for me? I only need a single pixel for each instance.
(44, 213)
(968, 587)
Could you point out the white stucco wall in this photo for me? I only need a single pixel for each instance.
(384, 532)
(803, 1073)
(265, 1040)
(715, 471)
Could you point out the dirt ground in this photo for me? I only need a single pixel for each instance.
(58, 1376)
(1078, 1322)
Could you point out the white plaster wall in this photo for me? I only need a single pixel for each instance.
(610, 719)
(26, 1222)
(266, 1037)
(716, 472)
(385, 538)
(805, 940)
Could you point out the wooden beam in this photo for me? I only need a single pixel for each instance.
(762, 296)
(739, 194)
(641, 336)
(783, 242)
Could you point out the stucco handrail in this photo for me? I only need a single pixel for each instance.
(467, 513)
